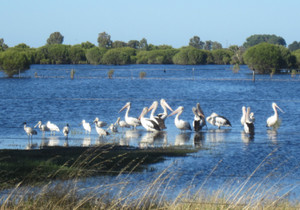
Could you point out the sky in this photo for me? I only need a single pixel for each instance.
(170, 22)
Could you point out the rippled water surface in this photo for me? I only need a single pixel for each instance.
(53, 96)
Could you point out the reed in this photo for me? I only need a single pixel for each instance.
(126, 193)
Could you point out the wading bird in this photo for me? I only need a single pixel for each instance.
(248, 124)
(101, 132)
(148, 124)
(53, 128)
(273, 120)
(86, 126)
(42, 127)
(180, 124)
(66, 131)
(160, 118)
(132, 121)
(217, 120)
(243, 118)
(199, 118)
(29, 131)
(100, 124)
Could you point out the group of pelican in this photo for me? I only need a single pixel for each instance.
(157, 122)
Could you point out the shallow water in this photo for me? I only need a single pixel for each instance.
(54, 96)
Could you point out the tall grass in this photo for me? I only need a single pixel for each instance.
(124, 192)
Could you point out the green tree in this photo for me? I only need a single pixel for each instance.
(296, 53)
(161, 56)
(237, 57)
(216, 46)
(294, 46)
(221, 56)
(22, 46)
(135, 44)
(143, 44)
(14, 61)
(119, 56)
(190, 56)
(55, 38)
(196, 42)
(94, 55)
(258, 38)
(208, 45)
(266, 58)
(104, 40)
(87, 45)
(118, 44)
(77, 55)
(3, 46)
(59, 54)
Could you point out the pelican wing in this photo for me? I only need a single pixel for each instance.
(222, 121)
(151, 124)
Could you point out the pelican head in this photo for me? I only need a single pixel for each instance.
(124, 107)
(96, 120)
(274, 105)
(178, 110)
(39, 123)
(154, 105)
(163, 103)
(145, 111)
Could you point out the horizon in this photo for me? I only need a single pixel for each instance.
(160, 22)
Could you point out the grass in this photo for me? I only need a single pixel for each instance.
(127, 193)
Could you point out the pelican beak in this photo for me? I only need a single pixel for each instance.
(151, 107)
(167, 105)
(174, 112)
(279, 108)
(124, 107)
(37, 124)
(143, 113)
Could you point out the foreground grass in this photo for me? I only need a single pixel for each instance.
(35, 166)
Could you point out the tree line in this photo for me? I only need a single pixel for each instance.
(262, 53)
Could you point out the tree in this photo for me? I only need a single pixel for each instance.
(94, 55)
(118, 44)
(59, 54)
(216, 46)
(77, 54)
(118, 56)
(143, 44)
(87, 45)
(190, 56)
(135, 44)
(221, 56)
(3, 46)
(265, 58)
(208, 45)
(196, 42)
(104, 40)
(161, 56)
(55, 38)
(294, 46)
(237, 57)
(258, 38)
(22, 46)
(14, 61)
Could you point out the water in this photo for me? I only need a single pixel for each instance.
(54, 96)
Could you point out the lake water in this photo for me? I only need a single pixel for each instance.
(228, 153)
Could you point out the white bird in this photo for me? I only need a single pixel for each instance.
(86, 126)
(42, 127)
(199, 118)
(217, 120)
(248, 124)
(101, 132)
(243, 118)
(132, 121)
(202, 115)
(100, 124)
(273, 120)
(29, 131)
(52, 127)
(160, 118)
(66, 131)
(113, 127)
(122, 123)
(251, 117)
(180, 124)
(148, 124)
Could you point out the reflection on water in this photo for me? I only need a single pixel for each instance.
(182, 138)
(272, 135)
(53, 141)
(199, 138)
(151, 139)
(86, 142)
(217, 135)
(247, 138)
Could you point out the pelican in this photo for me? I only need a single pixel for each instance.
(52, 127)
(30, 131)
(100, 124)
(101, 132)
(122, 123)
(130, 120)
(42, 127)
(273, 120)
(66, 130)
(86, 126)
(114, 127)
(160, 118)
(243, 118)
(148, 124)
(180, 124)
(197, 120)
(248, 124)
(251, 117)
(202, 115)
(217, 120)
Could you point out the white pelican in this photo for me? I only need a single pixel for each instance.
(243, 118)
(160, 118)
(132, 121)
(217, 120)
(248, 124)
(66, 131)
(42, 127)
(180, 124)
(52, 127)
(113, 127)
(197, 120)
(86, 126)
(101, 132)
(30, 131)
(251, 117)
(148, 124)
(201, 114)
(122, 123)
(100, 124)
(273, 120)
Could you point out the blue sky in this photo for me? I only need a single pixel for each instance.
(170, 22)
